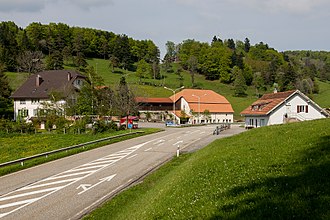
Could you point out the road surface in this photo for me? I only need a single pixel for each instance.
(69, 188)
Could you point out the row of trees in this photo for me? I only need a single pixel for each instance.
(24, 49)
(242, 64)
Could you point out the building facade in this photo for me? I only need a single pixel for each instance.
(36, 93)
(280, 108)
(191, 106)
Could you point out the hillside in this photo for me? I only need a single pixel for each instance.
(283, 175)
(154, 88)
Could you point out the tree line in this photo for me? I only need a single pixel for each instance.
(23, 49)
(241, 64)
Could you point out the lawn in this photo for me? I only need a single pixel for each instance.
(17, 146)
(276, 172)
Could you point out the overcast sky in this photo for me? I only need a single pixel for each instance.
(282, 24)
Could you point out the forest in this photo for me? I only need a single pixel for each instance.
(40, 47)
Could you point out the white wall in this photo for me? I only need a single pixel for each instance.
(31, 106)
(288, 108)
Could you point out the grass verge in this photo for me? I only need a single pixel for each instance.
(276, 172)
(18, 146)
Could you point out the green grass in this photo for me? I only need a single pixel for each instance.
(323, 98)
(17, 146)
(171, 80)
(276, 172)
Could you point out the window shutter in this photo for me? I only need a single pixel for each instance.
(298, 109)
(306, 109)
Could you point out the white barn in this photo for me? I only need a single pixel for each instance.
(280, 108)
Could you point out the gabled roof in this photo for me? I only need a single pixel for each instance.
(269, 102)
(41, 84)
(204, 100)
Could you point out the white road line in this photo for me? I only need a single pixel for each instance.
(159, 141)
(18, 203)
(85, 168)
(160, 144)
(131, 156)
(68, 175)
(29, 193)
(46, 184)
(178, 142)
(148, 149)
(101, 162)
(203, 132)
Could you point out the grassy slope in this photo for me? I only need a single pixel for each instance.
(277, 172)
(171, 80)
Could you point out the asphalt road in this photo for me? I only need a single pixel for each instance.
(69, 188)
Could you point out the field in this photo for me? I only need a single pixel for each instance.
(154, 88)
(276, 172)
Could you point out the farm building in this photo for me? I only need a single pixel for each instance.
(280, 108)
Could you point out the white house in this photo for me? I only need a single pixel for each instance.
(282, 107)
(31, 97)
(198, 106)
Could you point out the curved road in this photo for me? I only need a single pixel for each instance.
(69, 188)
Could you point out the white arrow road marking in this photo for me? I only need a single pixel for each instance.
(178, 142)
(87, 187)
(63, 180)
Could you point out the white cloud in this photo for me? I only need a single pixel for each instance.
(22, 6)
(87, 4)
(291, 6)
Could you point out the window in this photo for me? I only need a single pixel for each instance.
(302, 108)
(251, 121)
(262, 122)
(35, 101)
(22, 102)
(23, 113)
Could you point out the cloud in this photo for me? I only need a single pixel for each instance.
(87, 4)
(22, 6)
(291, 6)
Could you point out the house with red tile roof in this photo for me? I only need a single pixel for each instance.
(193, 106)
(282, 107)
(37, 89)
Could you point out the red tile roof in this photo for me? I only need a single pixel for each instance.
(267, 103)
(208, 100)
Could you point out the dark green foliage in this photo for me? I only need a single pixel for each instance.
(239, 83)
(6, 105)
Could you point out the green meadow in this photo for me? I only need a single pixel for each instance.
(155, 88)
(275, 172)
(17, 146)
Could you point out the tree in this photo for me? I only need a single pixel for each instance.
(31, 61)
(170, 52)
(239, 83)
(143, 69)
(125, 100)
(113, 62)
(6, 104)
(8, 44)
(247, 45)
(192, 68)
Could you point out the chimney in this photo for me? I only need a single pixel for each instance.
(69, 76)
(38, 80)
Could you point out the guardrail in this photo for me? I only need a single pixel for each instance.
(22, 160)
